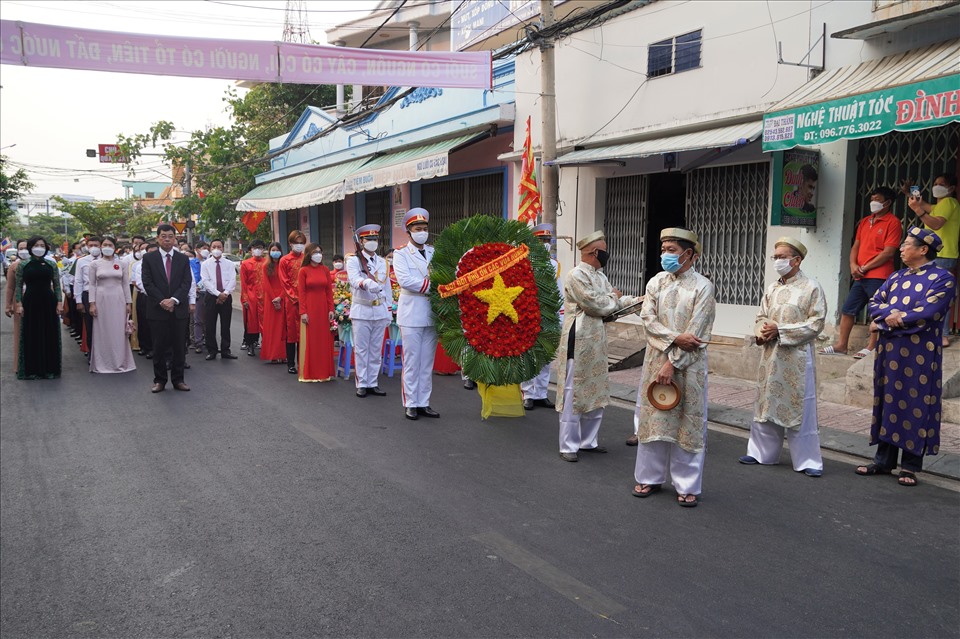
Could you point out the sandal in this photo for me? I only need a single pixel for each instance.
(906, 478)
(872, 469)
(646, 490)
(863, 352)
(830, 350)
(684, 501)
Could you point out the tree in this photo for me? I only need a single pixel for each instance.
(108, 217)
(224, 161)
(13, 186)
(49, 227)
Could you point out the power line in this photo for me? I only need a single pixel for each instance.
(389, 18)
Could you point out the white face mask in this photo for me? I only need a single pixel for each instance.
(85, 250)
(107, 251)
(257, 252)
(370, 246)
(39, 251)
(338, 266)
(23, 254)
(95, 251)
(782, 266)
(420, 237)
(204, 253)
(316, 258)
(138, 255)
(390, 261)
(876, 207)
(217, 253)
(298, 248)
(940, 191)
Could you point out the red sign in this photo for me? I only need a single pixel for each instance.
(108, 154)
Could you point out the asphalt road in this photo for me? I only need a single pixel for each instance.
(256, 506)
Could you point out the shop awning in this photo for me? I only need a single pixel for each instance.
(416, 163)
(908, 91)
(307, 189)
(722, 137)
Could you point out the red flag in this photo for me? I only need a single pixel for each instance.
(252, 219)
(201, 195)
(530, 206)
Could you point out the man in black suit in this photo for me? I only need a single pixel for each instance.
(166, 279)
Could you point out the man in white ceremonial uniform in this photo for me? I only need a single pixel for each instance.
(535, 390)
(588, 298)
(793, 312)
(411, 265)
(369, 308)
(678, 312)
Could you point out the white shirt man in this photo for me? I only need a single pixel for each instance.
(218, 277)
(369, 308)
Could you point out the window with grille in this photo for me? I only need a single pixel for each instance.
(625, 224)
(450, 201)
(674, 55)
(377, 208)
(330, 231)
(292, 219)
(727, 208)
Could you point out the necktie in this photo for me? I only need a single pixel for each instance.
(219, 278)
(169, 267)
(423, 252)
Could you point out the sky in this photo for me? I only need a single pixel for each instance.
(50, 117)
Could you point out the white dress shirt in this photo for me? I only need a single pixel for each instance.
(80, 281)
(208, 276)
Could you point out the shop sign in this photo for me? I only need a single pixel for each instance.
(911, 107)
(795, 176)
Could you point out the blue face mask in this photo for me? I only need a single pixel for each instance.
(670, 262)
(275, 255)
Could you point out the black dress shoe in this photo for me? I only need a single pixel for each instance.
(528, 404)
(227, 355)
(250, 352)
(426, 411)
(243, 346)
(469, 384)
(410, 413)
(149, 355)
(598, 449)
(376, 391)
(210, 356)
(180, 386)
(361, 392)
(545, 402)
(185, 365)
(292, 370)
(570, 457)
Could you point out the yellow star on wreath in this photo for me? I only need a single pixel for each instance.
(500, 298)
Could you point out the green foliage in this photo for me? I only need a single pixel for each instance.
(452, 244)
(108, 217)
(49, 227)
(13, 186)
(224, 161)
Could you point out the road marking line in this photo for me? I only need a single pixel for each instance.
(324, 439)
(576, 591)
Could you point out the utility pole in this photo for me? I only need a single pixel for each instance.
(548, 116)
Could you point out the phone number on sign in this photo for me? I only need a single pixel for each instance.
(840, 131)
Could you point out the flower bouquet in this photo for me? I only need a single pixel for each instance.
(341, 310)
(496, 304)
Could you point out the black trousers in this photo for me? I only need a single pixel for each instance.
(144, 332)
(74, 315)
(87, 318)
(212, 313)
(169, 334)
(886, 458)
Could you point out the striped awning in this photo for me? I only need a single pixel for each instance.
(307, 189)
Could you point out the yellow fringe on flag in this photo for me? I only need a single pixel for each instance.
(500, 401)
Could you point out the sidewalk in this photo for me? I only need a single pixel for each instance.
(842, 428)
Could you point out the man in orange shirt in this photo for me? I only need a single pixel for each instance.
(289, 268)
(871, 263)
(250, 270)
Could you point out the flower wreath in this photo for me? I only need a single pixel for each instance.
(495, 299)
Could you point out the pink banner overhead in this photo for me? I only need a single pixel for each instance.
(39, 45)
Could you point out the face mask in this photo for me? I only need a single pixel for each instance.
(23, 254)
(138, 255)
(782, 266)
(548, 246)
(258, 252)
(602, 257)
(940, 191)
(39, 251)
(670, 262)
(298, 248)
(107, 251)
(420, 237)
(338, 266)
(876, 207)
(390, 261)
(85, 250)
(275, 254)
(176, 249)
(95, 251)
(217, 253)
(370, 247)
(316, 258)
(204, 253)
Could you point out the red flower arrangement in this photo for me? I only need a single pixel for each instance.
(503, 337)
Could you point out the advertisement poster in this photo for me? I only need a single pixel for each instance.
(796, 173)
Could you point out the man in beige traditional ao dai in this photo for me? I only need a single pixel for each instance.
(793, 311)
(588, 298)
(678, 312)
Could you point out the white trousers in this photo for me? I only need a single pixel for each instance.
(766, 439)
(656, 459)
(577, 430)
(536, 388)
(419, 350)
(368, 350)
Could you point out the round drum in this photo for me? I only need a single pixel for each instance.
(663, 396)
